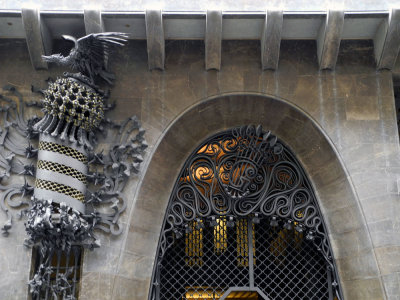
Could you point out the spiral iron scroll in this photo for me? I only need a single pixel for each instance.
(245, 172)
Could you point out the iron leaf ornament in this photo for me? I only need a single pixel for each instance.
(244, 173)
(78, 188)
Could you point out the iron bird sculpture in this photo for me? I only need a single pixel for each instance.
(75, 182)
(89, 55)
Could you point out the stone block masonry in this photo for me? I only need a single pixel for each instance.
(341, 124)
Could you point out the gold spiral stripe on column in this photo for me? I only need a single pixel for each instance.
(59, 168)
(59, 188)
(53, 147)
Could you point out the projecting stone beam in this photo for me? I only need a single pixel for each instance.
(387, 41)
(155, 39)
(213, 39)
(329, 37)
(93, 21)
(271, 39)
(38, 37)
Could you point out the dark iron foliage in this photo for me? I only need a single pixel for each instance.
(244, 175)
(74, 118)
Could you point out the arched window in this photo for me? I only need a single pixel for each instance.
(243, 223)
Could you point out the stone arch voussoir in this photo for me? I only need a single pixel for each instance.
(338, 202)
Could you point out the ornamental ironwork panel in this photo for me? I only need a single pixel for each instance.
(79, 177)
(243, 215)
(60, 269)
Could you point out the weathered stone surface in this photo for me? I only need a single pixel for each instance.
(107, 255)
(355, 58)
(141, 242)
(128, 264)
(370, 289)
(345, 219)
(381, 208)
(361, 265)
(129, 289)
(388, 259)
(384, 233)
(341, 126)
(392, 286)
(96, 285)
(126, 108)
(348, 244)
(362, 108)
(336, 195)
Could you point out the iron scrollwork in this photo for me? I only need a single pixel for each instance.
(78, 187)
(245, 173)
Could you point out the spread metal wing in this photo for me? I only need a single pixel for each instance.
(93, 51)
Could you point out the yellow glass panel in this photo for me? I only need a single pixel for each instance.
(243, 295)
(220, 236)
(278, 246)
(200, 294)
(298, 237)
(242, 243)
(194, 246)
(285, 237)
(206, 293)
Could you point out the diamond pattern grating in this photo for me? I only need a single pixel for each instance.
(243, 216)
(211, 275)
(286, 265)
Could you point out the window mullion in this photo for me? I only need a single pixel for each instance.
(250, 252)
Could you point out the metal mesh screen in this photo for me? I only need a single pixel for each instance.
(186, 273)
(208, 260)
(61, 271)
(243, 216)
(288, 266)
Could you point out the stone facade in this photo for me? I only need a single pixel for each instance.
(341, 125)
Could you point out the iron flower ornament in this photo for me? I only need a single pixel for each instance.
(77, 188)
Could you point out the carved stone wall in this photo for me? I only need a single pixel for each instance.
(341, 125)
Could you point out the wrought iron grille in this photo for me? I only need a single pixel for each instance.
(243, 216)
(61, 270)
(289, 266)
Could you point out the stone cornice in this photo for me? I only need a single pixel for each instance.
(379, 26)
